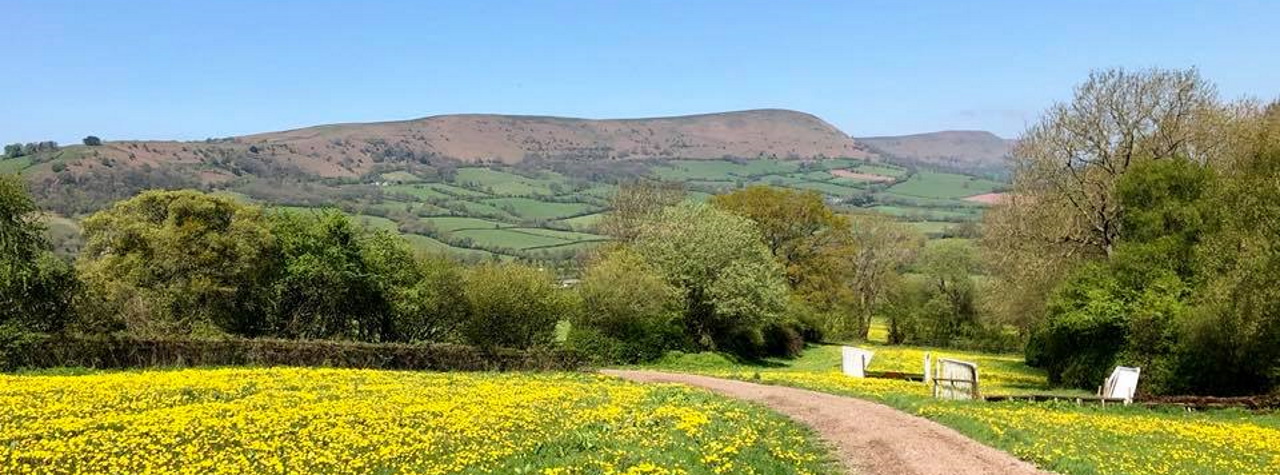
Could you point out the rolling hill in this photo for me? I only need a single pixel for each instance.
(351, 150)
(499, 187)
(965, 150)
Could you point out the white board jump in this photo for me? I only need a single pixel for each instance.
(854, 361)
(955, 379)
(1122, 384)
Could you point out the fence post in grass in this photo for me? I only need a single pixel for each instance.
(928, 369)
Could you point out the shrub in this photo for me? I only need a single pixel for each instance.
(512, 305)
(629, 307)
(434, 308)
(179, 262)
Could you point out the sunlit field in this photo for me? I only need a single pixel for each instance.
(1059, 436)
(362, 421)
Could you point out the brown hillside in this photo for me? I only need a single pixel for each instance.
(352, 149)
(962, 149)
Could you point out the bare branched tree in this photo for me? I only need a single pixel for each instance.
(1063, 209)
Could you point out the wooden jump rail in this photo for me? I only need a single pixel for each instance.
(895, 375)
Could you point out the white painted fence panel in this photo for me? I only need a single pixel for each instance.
(1122, 384)
(955, 380)
(854, 361)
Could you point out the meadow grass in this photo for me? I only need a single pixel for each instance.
(448, 224)
(296, 420)
(1058, 436)
(937, 185)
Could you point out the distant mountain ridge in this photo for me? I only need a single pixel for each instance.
(348, 150)
(968, 150)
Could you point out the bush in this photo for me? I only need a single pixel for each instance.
(783, 339)
(25, 350)
(179, 262)
(337, 280)
(628, 307)
(435, 307)
(512, 305)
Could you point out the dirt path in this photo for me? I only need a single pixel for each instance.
(869, 438)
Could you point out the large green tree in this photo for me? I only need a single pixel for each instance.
(882, 249)
(1236, 335)
(732, 286)
(806, 236)
(339, 280)
(178, 262)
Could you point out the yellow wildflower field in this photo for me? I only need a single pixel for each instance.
(363, 421)
(1058, 436)
(1118, 440)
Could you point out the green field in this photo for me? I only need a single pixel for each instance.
(826, 188)
(496, 196)
(456, 191)
(584, 222)
(506, 239)
(424, 192)
(498, 182)
(564, 235)
(943, 185)
(448, 224)
(431, 246)
(531, 209)
(14, 165)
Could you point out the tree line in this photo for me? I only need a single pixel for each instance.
(757, 272)
(1141, 230)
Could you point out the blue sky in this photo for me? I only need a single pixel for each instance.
(193, 69)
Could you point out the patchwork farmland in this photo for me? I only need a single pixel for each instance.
(502, 212)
